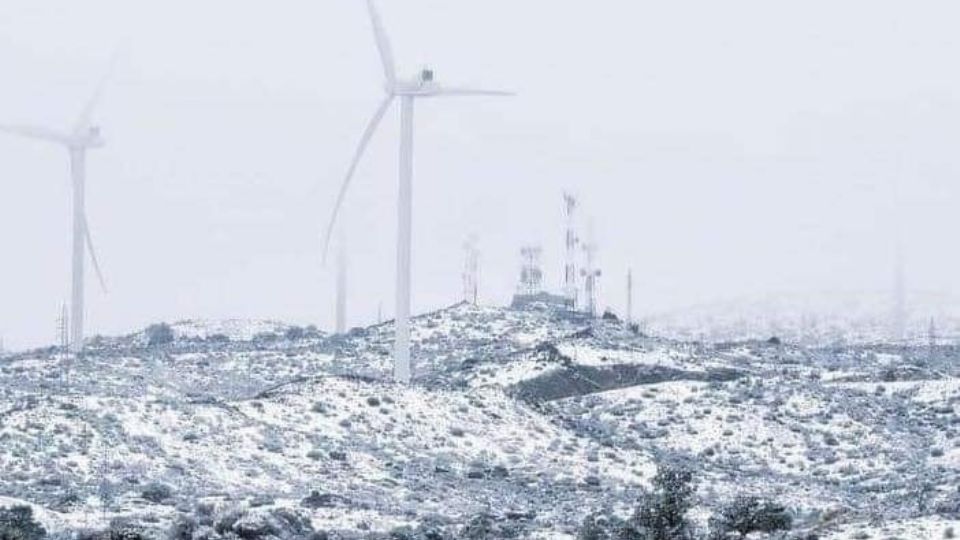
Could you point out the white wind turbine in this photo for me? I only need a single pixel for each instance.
(421, 86)
(81, 137)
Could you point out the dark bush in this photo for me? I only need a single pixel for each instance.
(750, 514)
(661, 514)
(119, 530)
(183, 528)
(17, 523)
(265, 337)
(156, 492)
(488, 527)
(294, 333)
(264, 523)
(602, 526)
(403, 533)
(319, 500)
(159, 334)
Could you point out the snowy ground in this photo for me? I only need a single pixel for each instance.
(848, 438)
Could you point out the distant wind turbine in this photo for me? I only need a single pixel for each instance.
(421, 86)
(82, 136)
(899, 317)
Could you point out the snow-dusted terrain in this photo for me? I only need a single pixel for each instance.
(535, 418)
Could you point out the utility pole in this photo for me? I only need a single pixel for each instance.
(899, 315)
(471, 270)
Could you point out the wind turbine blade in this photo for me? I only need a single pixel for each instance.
(86, 115)
(93, 254)
(383, 43)
(35, 133)
(364, 142)
(460, 91)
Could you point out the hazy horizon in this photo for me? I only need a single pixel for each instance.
(721, 151)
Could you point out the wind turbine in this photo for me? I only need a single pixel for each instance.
(82, 136)
(407, 91)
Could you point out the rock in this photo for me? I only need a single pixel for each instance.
(261, 500)
(319, 500)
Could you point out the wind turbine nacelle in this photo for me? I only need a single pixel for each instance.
(426, 75)
(92, 138)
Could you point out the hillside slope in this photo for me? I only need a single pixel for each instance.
(534, 417)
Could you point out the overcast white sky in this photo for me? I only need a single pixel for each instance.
(721, 148)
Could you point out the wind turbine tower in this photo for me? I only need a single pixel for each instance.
(82, 136)
(471, 270)
(898, 315)
(341, 322)
(630, 296)
(570, 251)
(408, 91)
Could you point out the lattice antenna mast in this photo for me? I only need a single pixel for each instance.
(531, 273)
(63, 342)
(591, 276)
(471, 271)
(63, 325)
(570, 251)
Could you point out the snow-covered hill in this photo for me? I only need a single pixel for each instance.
(534, 417)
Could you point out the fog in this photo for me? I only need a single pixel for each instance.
(721, 150)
